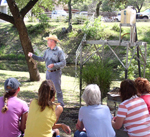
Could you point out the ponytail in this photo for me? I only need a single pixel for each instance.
(6, 97)
(5, 108)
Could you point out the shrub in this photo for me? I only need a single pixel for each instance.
(98, 73)
(116, 28)
(43, 19)
(95, 30)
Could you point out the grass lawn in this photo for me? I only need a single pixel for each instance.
(29, 89)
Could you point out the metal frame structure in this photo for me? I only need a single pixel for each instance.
(128, 44)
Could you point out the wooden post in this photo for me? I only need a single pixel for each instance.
(145, 45)
(136, 39)
(81, 67)
(126, 69)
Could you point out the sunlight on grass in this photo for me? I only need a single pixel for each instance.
(28, 90)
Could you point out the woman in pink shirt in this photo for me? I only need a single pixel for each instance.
(143, 87)
(132, 113)
(12, 109)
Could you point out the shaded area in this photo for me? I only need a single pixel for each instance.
(27, 96)
(69, 117)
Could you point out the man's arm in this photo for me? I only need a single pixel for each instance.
(30, 54)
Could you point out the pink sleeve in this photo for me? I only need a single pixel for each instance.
(25, 107)
(122, 111)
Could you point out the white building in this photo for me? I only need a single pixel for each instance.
(3, 8)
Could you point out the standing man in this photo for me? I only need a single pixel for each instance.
(55, 60)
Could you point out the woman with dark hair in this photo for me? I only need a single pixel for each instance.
(44, 113)
(143, 87)
(12, 109)
(132, 112)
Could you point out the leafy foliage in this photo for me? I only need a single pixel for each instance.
(82, 5)
(43, 19)
(98, 73)
(94, 30)
(38, 8)
(116, 28)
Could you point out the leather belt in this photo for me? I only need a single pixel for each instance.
(53, 70)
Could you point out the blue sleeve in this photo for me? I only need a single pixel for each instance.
(81, 114)
(38, 58)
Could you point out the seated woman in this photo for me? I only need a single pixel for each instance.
(13, 109)
(44, 113)
(94, 117)
(132, 112)
(143, 87)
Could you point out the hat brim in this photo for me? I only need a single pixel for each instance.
(53, 38)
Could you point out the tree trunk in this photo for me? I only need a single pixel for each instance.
(25, 41)
(70, 16)
(97, 8)
(27, 47)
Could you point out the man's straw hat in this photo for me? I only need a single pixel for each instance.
(53, 37)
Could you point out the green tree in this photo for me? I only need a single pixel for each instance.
(137, 4)
(40, 7)
(81, 5)
(18, 10)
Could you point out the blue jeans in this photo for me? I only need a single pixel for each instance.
(80, 134)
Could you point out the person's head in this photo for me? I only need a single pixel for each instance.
(51, 40)
(143, 85)
(127, 89)
(92, 95)
(46, 94)
(11, 87)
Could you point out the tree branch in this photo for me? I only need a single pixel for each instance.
(6, 17)
(28, 7)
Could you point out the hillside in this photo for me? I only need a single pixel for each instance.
(10, 46)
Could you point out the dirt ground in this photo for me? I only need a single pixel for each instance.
(69, 117)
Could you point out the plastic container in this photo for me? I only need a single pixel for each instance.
(128, 16)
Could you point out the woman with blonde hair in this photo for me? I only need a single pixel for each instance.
(143, 87)
(44, 113)
(94, 120)
(12, 109)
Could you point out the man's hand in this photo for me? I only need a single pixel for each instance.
(66, 129)
(30, 54)
(51, 66)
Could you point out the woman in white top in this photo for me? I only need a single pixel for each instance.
(94, 119)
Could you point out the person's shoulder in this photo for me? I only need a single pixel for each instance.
(103, 107)
(84, 108)
(59, 48)
(21, 101)
(59, 107)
